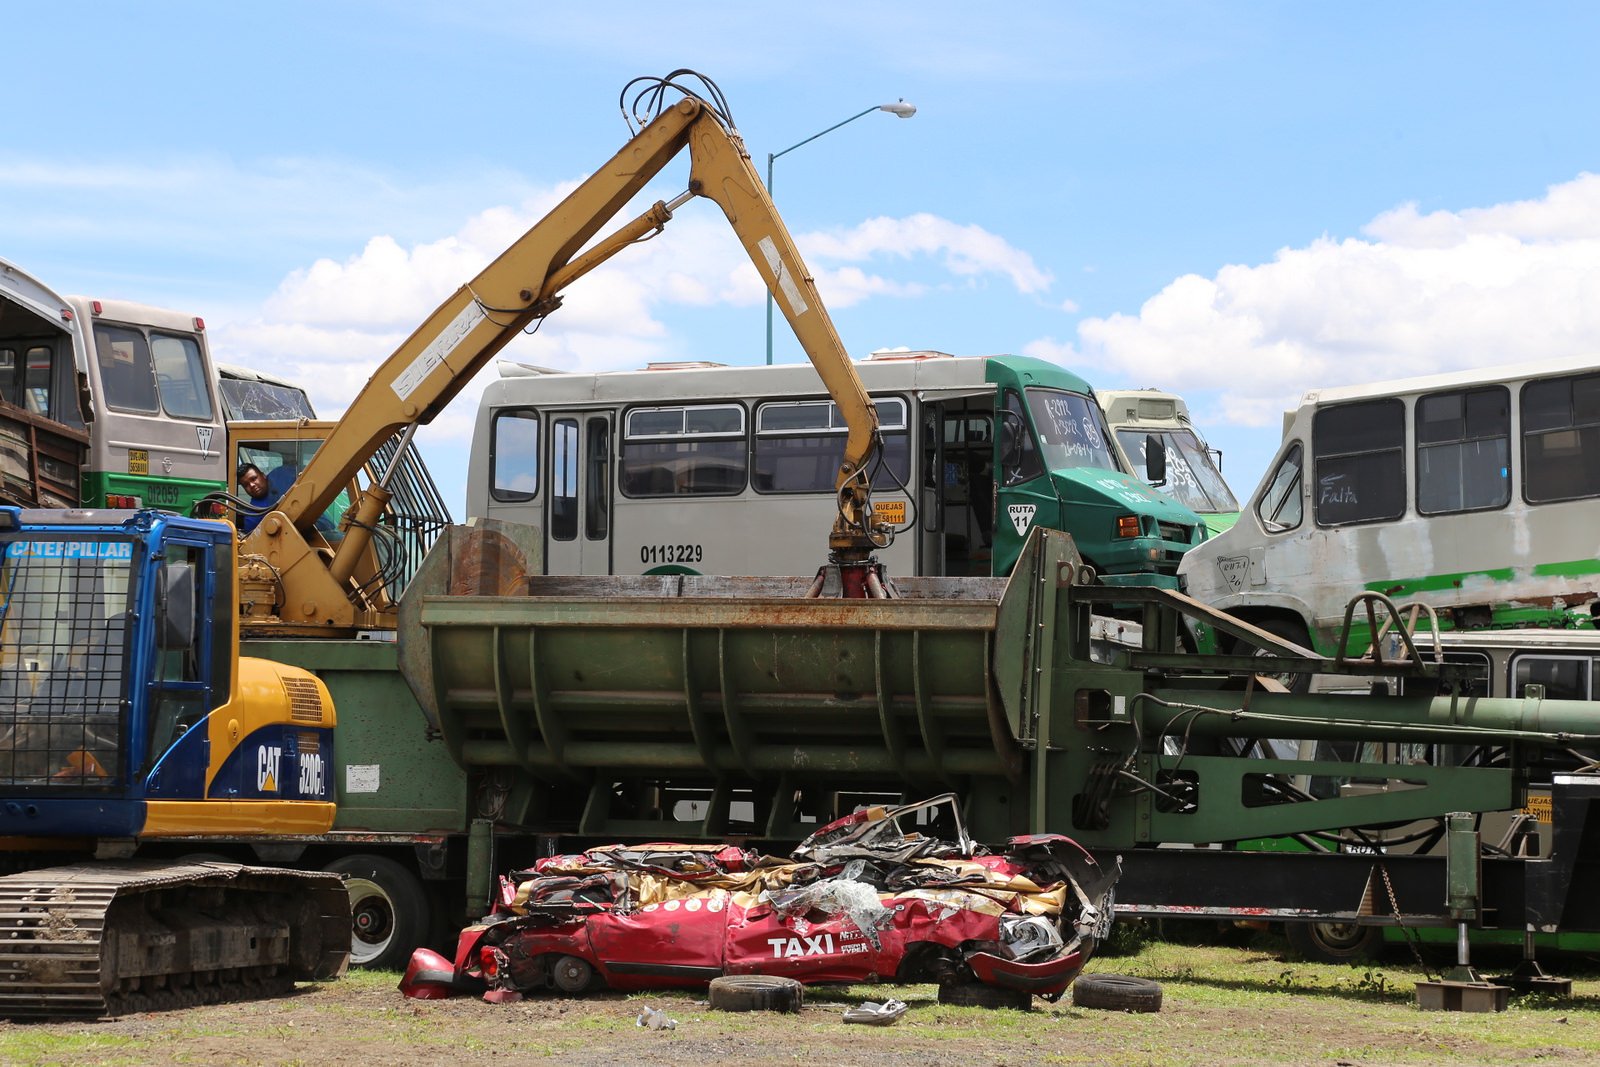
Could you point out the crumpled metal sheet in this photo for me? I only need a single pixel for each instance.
(836, 896)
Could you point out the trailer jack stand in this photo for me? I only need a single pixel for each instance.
(1529, 977)
(1461, 989)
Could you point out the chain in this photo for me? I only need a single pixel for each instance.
(1410, 936)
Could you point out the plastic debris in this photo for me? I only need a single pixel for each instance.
(655, 1019)
(874, 1014)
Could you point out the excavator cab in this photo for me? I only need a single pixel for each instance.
(121, 689)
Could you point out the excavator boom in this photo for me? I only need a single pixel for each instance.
(460, 337)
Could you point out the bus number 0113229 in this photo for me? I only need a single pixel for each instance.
(651, 554)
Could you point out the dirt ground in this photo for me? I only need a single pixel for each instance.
(363, 1020)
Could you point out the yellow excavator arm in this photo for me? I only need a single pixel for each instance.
(433, 365)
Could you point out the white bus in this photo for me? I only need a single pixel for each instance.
(730, 470)
(1476, 493)
(1161, 444)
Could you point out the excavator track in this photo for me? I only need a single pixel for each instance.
(89, 940)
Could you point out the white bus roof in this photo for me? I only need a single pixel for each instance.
(143, 314)
(935, 375)
(18, 285)
(1430, 383)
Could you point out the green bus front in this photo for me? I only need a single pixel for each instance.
(1056, 467)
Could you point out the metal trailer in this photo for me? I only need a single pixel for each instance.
(555, 711)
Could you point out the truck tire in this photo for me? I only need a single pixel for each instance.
(388, 908)
(756, 992)
(1116, 992)
(980, 995)
(1333, 942)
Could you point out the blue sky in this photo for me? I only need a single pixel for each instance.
(1236, 201)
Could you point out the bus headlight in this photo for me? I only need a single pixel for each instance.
(1128, 526)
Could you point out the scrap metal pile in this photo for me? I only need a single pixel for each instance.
(866, 898)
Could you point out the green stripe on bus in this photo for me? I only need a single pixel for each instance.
(1437, 582)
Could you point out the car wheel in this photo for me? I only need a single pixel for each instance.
(980, 995)
(1116, 992)
(1332, 942)
(571, 974)
(1293, 631)
(756, 992)
(388, 911)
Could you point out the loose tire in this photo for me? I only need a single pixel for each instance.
(1116, 992)
(388, 910)
(756, 992)
(1333, 942)
(980, 995)
(1295, 633)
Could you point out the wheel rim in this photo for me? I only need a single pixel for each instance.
(372, 920)
(1339, 936)
(571, 975)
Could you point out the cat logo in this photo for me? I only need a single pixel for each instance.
(1021, 516)
(268, 759)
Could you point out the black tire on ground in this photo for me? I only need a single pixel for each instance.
(756, 992)
(1116, 992)
(980, 995)
(389, 911)
(1294, 631)
(1333, 942)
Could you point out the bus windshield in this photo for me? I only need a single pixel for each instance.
(1072, 430)
(1192, 479)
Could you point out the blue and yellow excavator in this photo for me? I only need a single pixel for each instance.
(131, 718)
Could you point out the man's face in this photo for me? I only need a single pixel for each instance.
(254, 483)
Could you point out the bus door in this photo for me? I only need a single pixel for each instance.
(958, 495)
(578, 515)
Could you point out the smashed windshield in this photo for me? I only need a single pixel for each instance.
(259, 401)
(1072, 430)
(1192, 478)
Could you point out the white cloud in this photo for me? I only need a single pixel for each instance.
(964, 250)
(332, 323)
(1418, 294)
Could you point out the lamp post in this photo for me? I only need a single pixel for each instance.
(899, 109)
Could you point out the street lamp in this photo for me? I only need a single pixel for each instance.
(899, 109)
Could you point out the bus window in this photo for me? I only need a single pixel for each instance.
(8, 376)
(1563, 677)
(130, 384)
(514, 455)
(1360, 462)
(564, 479)
(1463, 451)
(1019, 457)
(180, 376)
(597, 479)
(799, 445)
(40, 369)
(1561, 439)
(690, 450)
(1280, 508)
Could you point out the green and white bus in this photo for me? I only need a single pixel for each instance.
(154, 433)
(730, 470)
(1162, 446)
(1475, 493)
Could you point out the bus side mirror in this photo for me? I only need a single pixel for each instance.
(1155, 459)
(175, 606)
